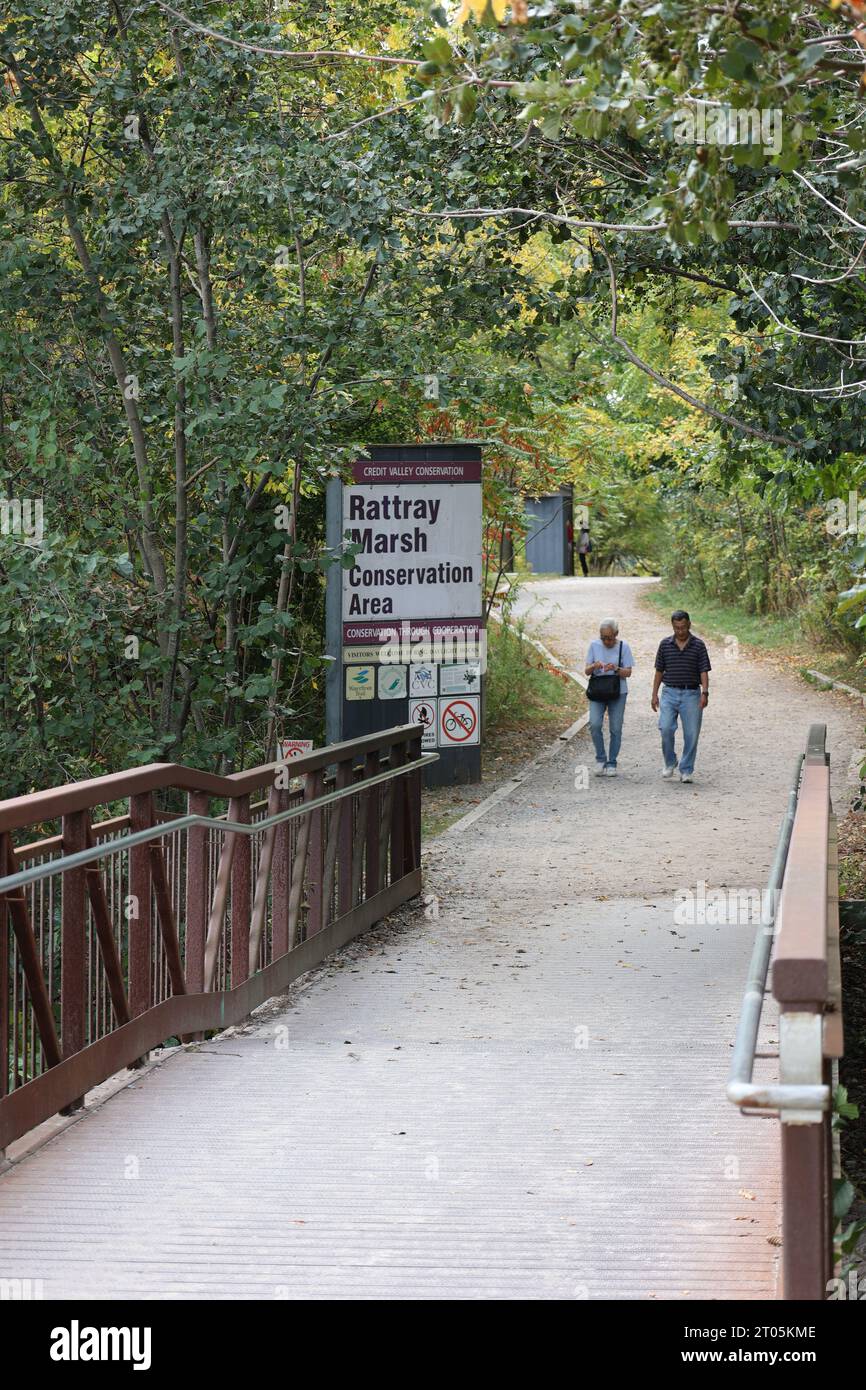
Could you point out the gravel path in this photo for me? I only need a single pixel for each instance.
(638, 834)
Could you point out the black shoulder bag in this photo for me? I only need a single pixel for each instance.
(604, 685)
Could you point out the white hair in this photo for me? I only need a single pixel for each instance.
(609, 625)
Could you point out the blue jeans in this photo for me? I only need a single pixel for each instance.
(685, 705)
(615, 716)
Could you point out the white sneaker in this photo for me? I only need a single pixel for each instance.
(610, 771)
(668, 772)
(600, 770)
(686, 777)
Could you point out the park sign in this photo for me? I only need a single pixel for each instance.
(405, 616)
(418, 539)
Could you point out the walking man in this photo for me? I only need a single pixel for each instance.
(683, 664)
(584, 547)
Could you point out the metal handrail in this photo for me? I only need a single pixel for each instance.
(741, 1090)
(35, 807)
(173, 827)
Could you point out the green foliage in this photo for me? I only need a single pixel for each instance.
(521, 691)
(212, 301)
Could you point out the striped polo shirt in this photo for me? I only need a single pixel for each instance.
(684, 667)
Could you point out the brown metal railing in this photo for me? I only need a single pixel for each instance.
(807, 985)
(803, 934)
(119, 931)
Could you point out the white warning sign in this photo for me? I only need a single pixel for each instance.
(459, 720)
(295, 747)
(423, 712)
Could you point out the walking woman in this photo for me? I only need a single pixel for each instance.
(609, 663)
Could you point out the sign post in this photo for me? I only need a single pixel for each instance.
(410, 644)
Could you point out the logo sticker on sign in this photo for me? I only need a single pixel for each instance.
(360, 682)
(459, 721)
(422, 679)
(392, 682)
(423, 712)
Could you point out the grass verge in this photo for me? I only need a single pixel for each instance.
(778, 636)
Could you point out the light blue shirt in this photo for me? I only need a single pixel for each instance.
(597, 651)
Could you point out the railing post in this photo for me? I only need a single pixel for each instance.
(804, 1159)
(140, 922)
(73, 950)
(804, 1212)
(801, 986)
(239, 810)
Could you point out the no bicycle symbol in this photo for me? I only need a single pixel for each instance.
(458, 720)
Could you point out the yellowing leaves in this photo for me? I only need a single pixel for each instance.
(519, 10)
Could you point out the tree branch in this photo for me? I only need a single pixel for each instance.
(657, 377)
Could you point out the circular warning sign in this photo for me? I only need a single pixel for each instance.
(458, 721)
(422, 712)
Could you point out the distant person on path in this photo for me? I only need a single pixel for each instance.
(683, 664)
(584, 546)
(608, 657)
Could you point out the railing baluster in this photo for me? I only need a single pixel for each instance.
(280, 878)
(105, 937)
(359, 847)
(397, 822)
(386, 823)
(260, 901)
(4, 995)
(218, 911)
(339, 818)
(196, 893)
(315, 860)
(73, 957)
(239, 810)
(375, 796)
(140, 918)
(346, 777)
(413, 796)
(165, 912)
(30, 962)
